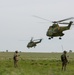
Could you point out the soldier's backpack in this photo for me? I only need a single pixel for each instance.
(14, 58)
(62, 58)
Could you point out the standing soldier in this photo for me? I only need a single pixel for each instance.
(15, 58)
(64, 60)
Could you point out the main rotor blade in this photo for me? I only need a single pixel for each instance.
(31, 38)
(65, 23)
(36, 39)
(40, 18)
(65, 19)
(54, 21)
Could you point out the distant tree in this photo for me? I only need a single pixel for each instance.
(70, 51)
(6, 50)
(20, 51)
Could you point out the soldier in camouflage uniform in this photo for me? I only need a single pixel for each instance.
(64, 60)
(15, 58)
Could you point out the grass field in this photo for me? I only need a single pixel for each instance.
(35, 64)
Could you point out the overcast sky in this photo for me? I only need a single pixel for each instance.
(17, 24)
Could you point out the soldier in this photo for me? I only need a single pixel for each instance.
(64, 60)
(15, 58)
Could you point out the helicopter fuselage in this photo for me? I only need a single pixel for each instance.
(55, 30)
(33, 44)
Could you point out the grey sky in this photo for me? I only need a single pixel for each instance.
(17, 23)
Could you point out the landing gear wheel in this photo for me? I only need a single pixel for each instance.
(52, 37)
(60, 38)
(49, 38)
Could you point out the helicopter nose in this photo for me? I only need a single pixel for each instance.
(27, 46)
(47, 34)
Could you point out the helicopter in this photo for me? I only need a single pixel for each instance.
(55, 30)
(33, 43)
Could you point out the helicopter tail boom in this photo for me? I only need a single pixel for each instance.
(70, 24)
(39, 41)
(66, 27)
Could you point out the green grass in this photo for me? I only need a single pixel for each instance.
(35, 64)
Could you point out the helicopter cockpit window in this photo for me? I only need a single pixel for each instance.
(54, 25)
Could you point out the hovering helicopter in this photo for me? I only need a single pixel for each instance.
(55, 30)
(33, 43)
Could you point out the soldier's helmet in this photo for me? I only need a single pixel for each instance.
(16, 51)
(65, 52)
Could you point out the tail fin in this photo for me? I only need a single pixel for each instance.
(70, 24)
(40, 40)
